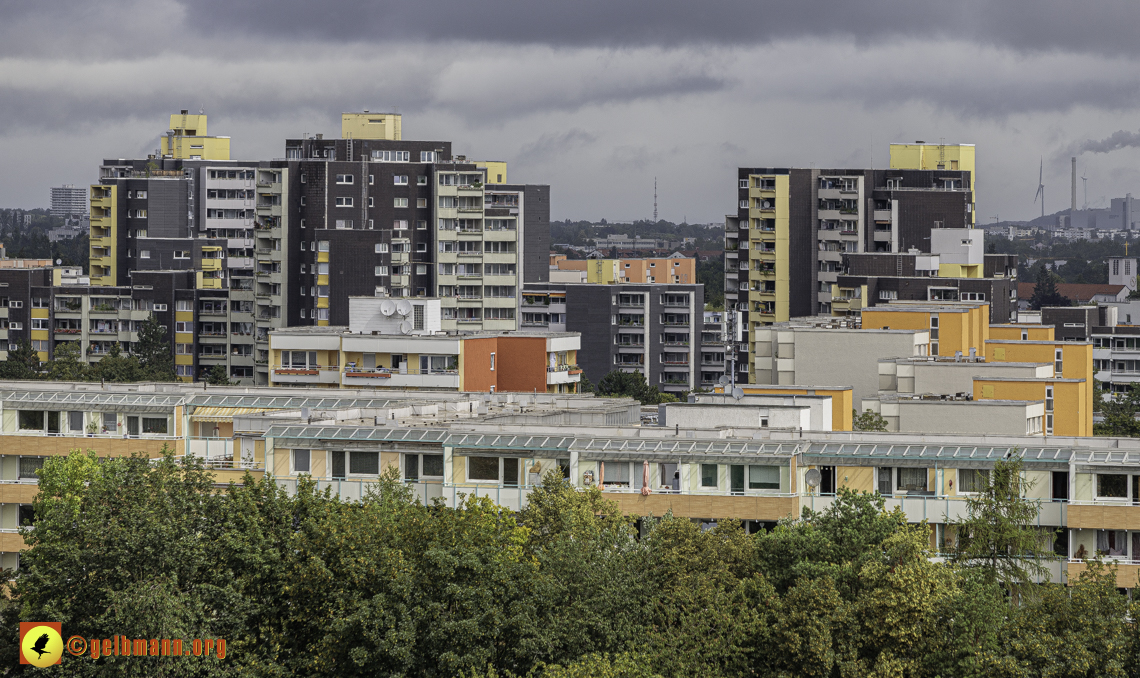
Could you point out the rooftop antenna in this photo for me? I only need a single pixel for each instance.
(655, 200)
(1041, 186)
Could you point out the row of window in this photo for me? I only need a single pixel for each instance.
(106, 422)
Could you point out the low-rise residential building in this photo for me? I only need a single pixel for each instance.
(449, 445)
(398, 344)
(655, 329)
(673, 269)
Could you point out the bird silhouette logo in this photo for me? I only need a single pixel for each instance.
(40, 646)
(41, 643)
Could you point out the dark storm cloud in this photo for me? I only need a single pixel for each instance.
(1023, 25)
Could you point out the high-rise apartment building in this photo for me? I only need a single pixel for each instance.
(655, 329)
(784, 247)
(68, 201)
(381, 216)
(923, 156)
(287, 242)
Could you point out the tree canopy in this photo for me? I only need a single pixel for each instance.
(631, 385)
(1045, 291)
(309, 584)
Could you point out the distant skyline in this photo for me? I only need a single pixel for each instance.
(595, 98)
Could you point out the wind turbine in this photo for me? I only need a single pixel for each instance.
(1041, 186)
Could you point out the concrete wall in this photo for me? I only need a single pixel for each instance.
(692, 415)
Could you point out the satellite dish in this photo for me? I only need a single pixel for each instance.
(812, 477)
(738, 393)
(403, 307)
(405, 327)
(723, 381)
(58, 262)
(387, 307)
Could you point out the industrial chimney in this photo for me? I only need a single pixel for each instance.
(1074, 208)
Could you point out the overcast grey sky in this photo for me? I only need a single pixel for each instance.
(595, 97)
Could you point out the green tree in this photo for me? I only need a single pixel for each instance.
(868, 421)
(66, 364)
(155, 358)
(1045, 291)
(998, 536)
(217, 376)
(1119, 412)
(23, 363)
(117, 367)
(630, 385)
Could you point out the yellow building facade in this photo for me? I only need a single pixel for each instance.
(369, 125)
(187, 139)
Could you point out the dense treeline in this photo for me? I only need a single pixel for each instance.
(581, 233)
(1084, 260)
(309, 585)
(150, 360)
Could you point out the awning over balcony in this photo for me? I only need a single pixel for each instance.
(224, 414)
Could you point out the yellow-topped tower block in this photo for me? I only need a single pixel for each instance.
(923, 156)
(369, 125)
(187, 139)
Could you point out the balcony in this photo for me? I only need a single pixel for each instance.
(563, 374)
(315, 374)
(400, 378)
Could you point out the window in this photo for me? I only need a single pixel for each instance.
(492, 362)
(616, 475)
(322, 269)
(421, 180)
(160, 307)
(381, 270)
(323, 246)
(399, 202)
(708, 475)
(301, 461)
(381, 248)
(1108, 486)
(183, 326)
(154, 424)
(427, 156)
(400, 225)
(500, 314)
(184, 370)
(763, 477)
(41, 346)
(15, 325)
(421, 202)
(344, 178)
(39, 323)
(184, 305)
(29, 466)
(15, 304)
(181, 254)
(344, 224)
(973, 480)
(400, 179)
(912, 479)
(144, 254)
(483, 468)
(364, 463)
(1057, 361)
(344, 202)
(391, 156)
(31, 420)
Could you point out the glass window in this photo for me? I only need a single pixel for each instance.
(433, 465)
(708, 475)
(364, 463)
(31, 420)
(884, 481)
(1107, 485)
(973, 479)
(617, 474)
(411, 467)
(912, 479)
(338, 464)
(301, 461)
(30, 465)
(154, 425)
(75, 421)
(763, 477)
(483, 468)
